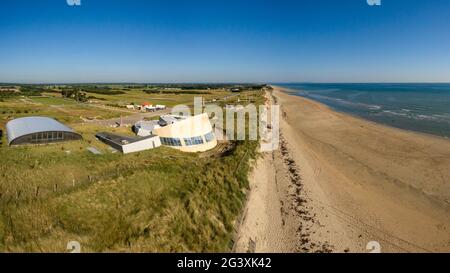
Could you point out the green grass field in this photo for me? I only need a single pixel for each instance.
(52, 100)
(159, 200)
(138, 97)
(64, 110)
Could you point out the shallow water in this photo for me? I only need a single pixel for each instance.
(419, 107)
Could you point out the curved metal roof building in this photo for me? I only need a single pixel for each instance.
(38, 130)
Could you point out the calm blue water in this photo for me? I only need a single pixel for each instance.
(419, 107)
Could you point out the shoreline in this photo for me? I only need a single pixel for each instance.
(288, 91)
(361, 182)
(283, 92)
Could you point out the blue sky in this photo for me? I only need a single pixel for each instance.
(225, 41)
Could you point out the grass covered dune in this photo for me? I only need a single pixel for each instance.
(154, 201)
(160, 200)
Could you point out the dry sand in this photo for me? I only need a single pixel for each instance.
(339, 182)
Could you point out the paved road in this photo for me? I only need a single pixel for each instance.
(112, 108)
(131, 119)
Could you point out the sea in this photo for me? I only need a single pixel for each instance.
(418, 107)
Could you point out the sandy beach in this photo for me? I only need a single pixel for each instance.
(339, 182)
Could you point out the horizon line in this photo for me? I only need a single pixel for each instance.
(205, 83)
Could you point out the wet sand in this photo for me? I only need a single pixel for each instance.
(339, 182)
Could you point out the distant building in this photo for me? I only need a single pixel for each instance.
(236, 89)
(9, 89)
(160, 107)
(38, 130)
(171, 88)
(147, 106)
(128, 145)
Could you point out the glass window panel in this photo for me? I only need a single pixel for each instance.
(187, 141)
(170, 141)
(176, 142)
